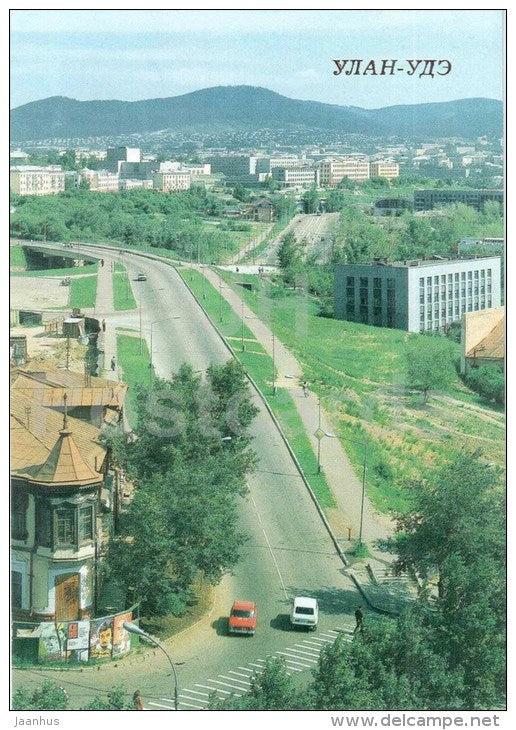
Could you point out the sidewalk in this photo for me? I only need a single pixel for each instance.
(103, 308)
(380, 588)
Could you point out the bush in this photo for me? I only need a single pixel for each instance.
(488, 381)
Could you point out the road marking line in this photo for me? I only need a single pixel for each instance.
(224, 684)
(307, 666)
(326, 634)
(246, 669)
(312, 644)
(348, 629)
(324, 641)
(270, 548)
(262, 661)
(293, 669)
(197, 699)
(292, 653)
(306, 650)
(232, 679)
(255, 665)
(239, 674)
(156, 704)
(197, 707)
(193, 691)
(212, 689)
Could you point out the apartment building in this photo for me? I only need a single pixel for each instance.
(416, 296)
(384, 168)
(331, 172)
(296, 176)
(135, 184)
(233, 165)
(34, 180)
(101, 181)
(436, 198)
(168, 182)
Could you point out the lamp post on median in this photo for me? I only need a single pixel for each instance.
(220, 299)
(134, 629)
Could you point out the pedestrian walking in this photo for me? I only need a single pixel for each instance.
(137, 700)
(103, 325)
(102, 262)
(305, 388)
(113, 363)
(359, 618)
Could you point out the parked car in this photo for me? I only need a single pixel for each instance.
(304, 612)
(141, 277)
(242, 618)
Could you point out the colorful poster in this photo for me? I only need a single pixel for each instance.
(121, 637)
(101, 638)
(78, 635)
(53, 640)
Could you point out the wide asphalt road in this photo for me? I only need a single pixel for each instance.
(288, 551)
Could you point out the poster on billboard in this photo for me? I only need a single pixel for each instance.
(79, 639)
(53, 640)
(101, 638)
(121, 637)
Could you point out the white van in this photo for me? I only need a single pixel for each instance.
(304, 612)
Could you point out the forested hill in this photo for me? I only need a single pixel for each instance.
(244, 107)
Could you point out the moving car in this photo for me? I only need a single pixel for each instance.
(141, 277)
(242, 618)
(304, 612)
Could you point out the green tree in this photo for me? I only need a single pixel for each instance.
(117, 699)
(47, 697)
(310, 199)
(454, 536)
(190, 462)
(488, 381)
(428, 364)
(290, 259)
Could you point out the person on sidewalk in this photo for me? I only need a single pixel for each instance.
(305, 388)
(137, 700)
(103, 325)
(102, 262)
(359, 618)
(113, 363)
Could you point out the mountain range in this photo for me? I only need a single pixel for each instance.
(248, 107)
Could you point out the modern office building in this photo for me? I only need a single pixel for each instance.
(114, 155)
(384, 168)
(331, 172)
(34, 180)
(436, 198)
(233, 165)
(417, 296)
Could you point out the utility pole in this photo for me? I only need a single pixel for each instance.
(68, 352)
(319, 441)
(141, 343)
(243, 343)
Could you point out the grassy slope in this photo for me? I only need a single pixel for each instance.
(70, 271)
(135, 369)
(358, 371)
(83, 291)
(259, 366)
(17, 256)
(123, 297)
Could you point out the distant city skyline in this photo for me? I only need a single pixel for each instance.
(131, 55)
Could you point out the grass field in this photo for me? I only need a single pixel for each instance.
(358, 371)
(17, 256)
(123, 297)
(70, 271)
(260, 367)
(83, 291)
(134, 367)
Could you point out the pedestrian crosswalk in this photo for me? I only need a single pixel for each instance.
(301, 656)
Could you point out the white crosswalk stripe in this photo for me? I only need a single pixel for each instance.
(232, 679)
(197, 699)
(294, 661)
(194, 692)
(306, 650)
(165, 707)
(213, 689)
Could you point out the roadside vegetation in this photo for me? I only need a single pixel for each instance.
(135, 370)
(363, 376)
(68, 271)
(123, 297)
(189, 463)
(83, 291)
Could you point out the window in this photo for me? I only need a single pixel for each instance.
(65, 527)
(16, 588)
(463, 276)
(421, 283)
(456, 310)
(489, 302)
(476, 275)
(456, 277)
(483, 274)
(470, 275)
(18, 516)
(436, 280)
(85, 524)
(363, 282)
(443, 279)
(350, 281)
(350, 311)
(429, 314)
(436, 293)
(429, 281)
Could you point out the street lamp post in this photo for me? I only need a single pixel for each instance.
(273, 364)
(134, 629)
(220, 299)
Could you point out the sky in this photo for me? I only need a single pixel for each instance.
(133, 54)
